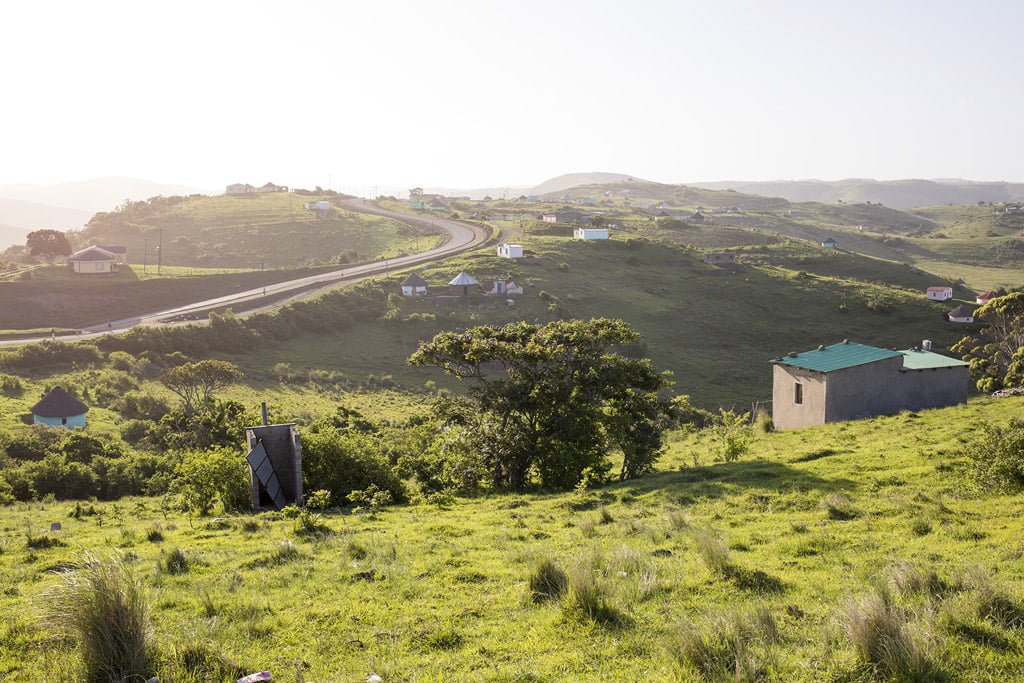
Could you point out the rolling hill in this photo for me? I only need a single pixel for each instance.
(97, 194)
(899, 194)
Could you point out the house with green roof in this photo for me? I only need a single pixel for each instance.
(849, 381)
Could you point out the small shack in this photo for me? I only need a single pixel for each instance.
(961, 314)
(506, 287)
(461, 283)
(939, 293)
(720, 258)
(985, 297)
(511, 251)
(59, 408)
(590, 234)
(275, 465)
(414, 285)
(829, 243)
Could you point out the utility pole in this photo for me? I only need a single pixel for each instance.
(145, 253)
(160, 251)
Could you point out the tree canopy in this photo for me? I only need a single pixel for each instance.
(996, 353)
(196, 382)
(48, 244)
(550, 401)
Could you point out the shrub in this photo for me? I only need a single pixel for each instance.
(732, 647)
(547, 581)
(730, 436)
(997, 457)
(155, 534)
(204, 478)
(346, 462)
(142, 406)
(103, 607)
(11, 386)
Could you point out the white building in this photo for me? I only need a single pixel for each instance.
(321, 205)
(414, 285)
(506, 250)
(939, 293)
(961, 314)
(590, 233)
(506, 287)
(92, 260)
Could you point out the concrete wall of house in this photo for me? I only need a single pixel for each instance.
(92, 266)
(935, 388)
(73, 422)
(786, 412)
(864, 390)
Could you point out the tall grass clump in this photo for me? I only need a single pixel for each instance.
(735, 646)
(713, 550)
(586, 597)
(102, 606)
(881, 638)
(547, 581)
(839, 507)
(175, 562)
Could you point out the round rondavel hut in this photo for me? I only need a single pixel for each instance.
(461, 284)
(59, 409)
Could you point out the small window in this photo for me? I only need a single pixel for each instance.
(798, 396)
(63, 420)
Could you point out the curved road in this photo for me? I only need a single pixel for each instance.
(462, 237)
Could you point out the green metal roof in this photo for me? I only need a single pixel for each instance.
(837, 357)
(918, 359)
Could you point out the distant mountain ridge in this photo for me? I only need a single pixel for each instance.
(896, 194)
(557, 184)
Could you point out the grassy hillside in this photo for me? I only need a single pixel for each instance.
(715, 329)
(244, 231)
(805, 528)
(56, 298)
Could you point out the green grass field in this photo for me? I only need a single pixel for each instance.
(807, 524)
(244, 231)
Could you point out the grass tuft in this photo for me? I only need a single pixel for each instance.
(175, 562)
(102, 607)
(547, 581)
(880, 635)
(839, 507)
(736, 646)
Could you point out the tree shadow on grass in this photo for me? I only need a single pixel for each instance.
(721, 479)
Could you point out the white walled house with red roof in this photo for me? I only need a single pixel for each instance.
(939, 293)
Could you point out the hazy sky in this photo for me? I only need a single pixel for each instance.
(473, 94)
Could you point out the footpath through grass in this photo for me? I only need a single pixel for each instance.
(768, 562)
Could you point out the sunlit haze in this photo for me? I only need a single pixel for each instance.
(472, 94)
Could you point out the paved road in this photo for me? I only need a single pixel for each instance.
(462, 237)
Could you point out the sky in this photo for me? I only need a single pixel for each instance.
(466, 94)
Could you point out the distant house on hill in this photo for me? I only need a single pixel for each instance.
(572, 217)
(461, 284)
(961, 314)
(830, 243)
(985, 297)
(321, 205)
(939, 293)
(58, 408)
(414, 285)
(506, 287)
(590, 234)
(271, 187)
(93, 261)
(720, 258)
(240, 188)
(848, 381)
(512, 251)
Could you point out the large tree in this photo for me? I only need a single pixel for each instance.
(549, 401)
(196, 382)
(996, 353)
(49, 244)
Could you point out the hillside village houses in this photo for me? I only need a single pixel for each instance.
(321, 205)
(461, 284)
(848, 381)
(576, 217)
(505, 287)
(939, 293)
(94, 260)
(510, 251)
(246, 188)
(58, 408)
(414, 285)
(830, 243)
(961, 314)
